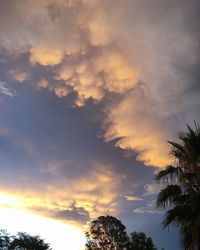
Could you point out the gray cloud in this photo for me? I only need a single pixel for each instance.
(74, 213)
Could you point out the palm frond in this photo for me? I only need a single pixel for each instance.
(168, 195)
(170, 171)
(182, 193)
(171, 217)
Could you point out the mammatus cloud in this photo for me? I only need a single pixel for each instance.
(19, 76)
(45, 56)
(91, 49)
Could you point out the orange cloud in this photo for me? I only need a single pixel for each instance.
(46, 56)
(94, 50)
(94, 195)
(133, 122)
(133, 198)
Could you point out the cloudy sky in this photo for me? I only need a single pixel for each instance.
(90, 92)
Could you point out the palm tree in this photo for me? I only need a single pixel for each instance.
(181, 194)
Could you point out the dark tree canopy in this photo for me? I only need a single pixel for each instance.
(139, 241)
(107, 233)
(5, 239)
(21, 241)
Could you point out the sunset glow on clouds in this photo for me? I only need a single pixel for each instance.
(90, 92)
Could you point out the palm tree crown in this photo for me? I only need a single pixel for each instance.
(181, 194)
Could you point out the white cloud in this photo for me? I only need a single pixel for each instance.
(153, 188)
(4, 89)
(149, 208)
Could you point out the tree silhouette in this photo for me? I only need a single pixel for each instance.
(139, 241)
(21, 241)
(5, 239)
(182, 192)
(107, 233)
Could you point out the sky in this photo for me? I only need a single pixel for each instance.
(90, 93)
